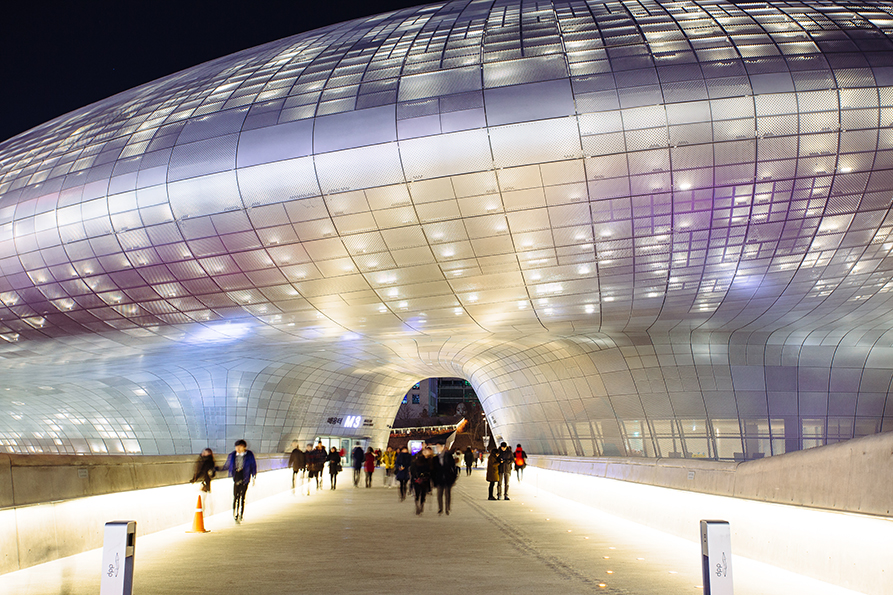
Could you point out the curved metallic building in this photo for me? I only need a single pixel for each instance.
(638, 228)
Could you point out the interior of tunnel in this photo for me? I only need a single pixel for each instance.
(586, 396)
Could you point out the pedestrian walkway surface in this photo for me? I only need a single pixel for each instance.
(365, 541)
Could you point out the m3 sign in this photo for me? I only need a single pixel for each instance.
(352, 421)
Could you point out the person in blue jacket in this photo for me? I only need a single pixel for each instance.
(401, 466)
(242, 467)
(357, 458)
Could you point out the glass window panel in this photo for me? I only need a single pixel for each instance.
(637, 439)
(813, 432)
(729, 449)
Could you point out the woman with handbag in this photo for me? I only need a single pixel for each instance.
(334, 459)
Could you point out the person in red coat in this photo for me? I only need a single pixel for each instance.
(369, 466)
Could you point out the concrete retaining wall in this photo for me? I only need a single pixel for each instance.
(823, 513)
(852, 476)
(57, 506)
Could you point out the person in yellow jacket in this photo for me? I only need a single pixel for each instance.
(388, 458)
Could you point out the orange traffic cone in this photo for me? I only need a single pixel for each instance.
(198, 522)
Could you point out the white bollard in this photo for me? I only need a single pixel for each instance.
(118, 546)
(716, 557)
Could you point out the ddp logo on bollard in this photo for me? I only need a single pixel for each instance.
(118, 546)
(716, 557)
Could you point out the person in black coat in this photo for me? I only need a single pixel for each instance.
(298, 462)
(444, 476)
(205, 470)
(421, 470)
(316, 460)
(334, 460)
(506, 460)
(401, 470)
(357, 458)
(469, 460)
(493, 466)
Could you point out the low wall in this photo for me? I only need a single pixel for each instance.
(823, 512)
(852, 476)
(56, 506)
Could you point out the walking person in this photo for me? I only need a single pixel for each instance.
(316, 460)
(444, 475)
(205, 470)
(369, 466)
(469, 460)
(520, 461)
(334, 460)
(421, 469)
(402, 462)
(242, 467)
(506, 460)
(493, 465)
(357, 458)
(388, 458)
(298, 463)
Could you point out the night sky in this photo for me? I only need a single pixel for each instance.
(57, 56)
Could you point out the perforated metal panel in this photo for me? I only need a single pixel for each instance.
(638, 228)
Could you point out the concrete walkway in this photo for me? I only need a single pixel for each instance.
(364, 541)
